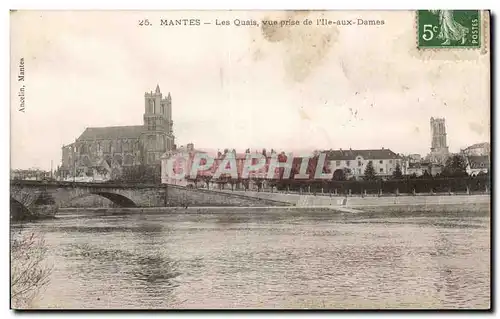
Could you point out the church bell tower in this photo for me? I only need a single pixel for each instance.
(157, 136)
(439, 148)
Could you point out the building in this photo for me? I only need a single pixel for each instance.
(104, 151)
(477, 165)
(417, 169)
(182, 161)
(355, 161)
(439, 149)
(479, 149)
(33, 174)
(414, 158)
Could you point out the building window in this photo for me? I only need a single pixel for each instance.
(347, 163)
(118, 159)
(337, 163)
(390, 161)
(84, 149)
(381, 170)
(381, 162)
(359, 163)
(107, 147)
(129, 159)
(118, 146)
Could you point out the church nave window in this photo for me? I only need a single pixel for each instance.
(129, 159)
(118, 146)
(106, 147)
(118, 159)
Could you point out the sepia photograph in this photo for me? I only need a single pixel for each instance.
(293, 159)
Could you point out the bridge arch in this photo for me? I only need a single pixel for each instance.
(117, 199)
(17, 209)
(41, 200)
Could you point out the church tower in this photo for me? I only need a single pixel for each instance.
(439, 149)
(157, 136)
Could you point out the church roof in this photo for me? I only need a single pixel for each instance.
(111, 132)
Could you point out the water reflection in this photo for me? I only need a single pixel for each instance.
(255, 260)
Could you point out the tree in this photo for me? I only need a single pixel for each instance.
(272, 183)
(246, 183)
(455, 166)
(223, 180)
(233, 181)
(397, 174)
(193, 180)
(347, 172)
(339, 175)
(29, 271)
(138, 174)
(426, 174)
(206, 179)
(258, 181)
(369, 171)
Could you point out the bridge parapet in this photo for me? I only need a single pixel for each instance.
(34, 195)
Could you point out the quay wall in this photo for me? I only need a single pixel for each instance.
(358, 201)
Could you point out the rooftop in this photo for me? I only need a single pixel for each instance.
(111, 132)
(351, 154)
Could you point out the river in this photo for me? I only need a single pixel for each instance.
(270, 259)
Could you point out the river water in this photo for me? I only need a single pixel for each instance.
(267, 259)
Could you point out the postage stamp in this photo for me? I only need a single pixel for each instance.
(449, 28)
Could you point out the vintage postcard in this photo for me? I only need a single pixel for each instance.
(250, 159)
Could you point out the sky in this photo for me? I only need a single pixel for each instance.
(289, 88)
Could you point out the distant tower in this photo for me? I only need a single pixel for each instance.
(157, 137)
(439, 149)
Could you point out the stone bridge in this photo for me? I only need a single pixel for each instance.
(35, 197)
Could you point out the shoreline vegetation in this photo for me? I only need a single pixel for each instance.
(29, 270)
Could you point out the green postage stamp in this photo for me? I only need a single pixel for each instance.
(449, 28)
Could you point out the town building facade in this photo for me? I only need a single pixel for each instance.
(477, 165)
(479, 149)
(354, 162)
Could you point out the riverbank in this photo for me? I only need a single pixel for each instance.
(309, 200)
(482, 209)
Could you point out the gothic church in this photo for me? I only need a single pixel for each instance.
(106, 150)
